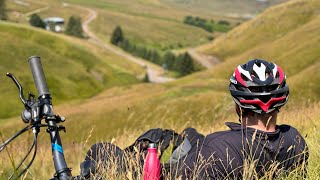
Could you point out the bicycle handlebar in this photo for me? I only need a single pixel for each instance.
(38, 76)
(45, 110)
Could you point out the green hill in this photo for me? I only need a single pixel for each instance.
(72, 71)
(202, 100)
(148, 23)
(287, 35)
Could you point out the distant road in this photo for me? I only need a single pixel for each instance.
(36, 11)
(154, 72)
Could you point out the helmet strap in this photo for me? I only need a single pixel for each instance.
(239, 111)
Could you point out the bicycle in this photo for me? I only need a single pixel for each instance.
(36, 110)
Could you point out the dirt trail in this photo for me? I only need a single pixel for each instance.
(154, 72)
(205, 60)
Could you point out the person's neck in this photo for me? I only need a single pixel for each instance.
(263, 122)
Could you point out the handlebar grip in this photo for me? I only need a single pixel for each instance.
(38, 76)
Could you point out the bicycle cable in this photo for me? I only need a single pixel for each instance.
(31, 161)
(22, 161)
(2, 146)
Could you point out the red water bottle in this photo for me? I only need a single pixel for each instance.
(151, 169)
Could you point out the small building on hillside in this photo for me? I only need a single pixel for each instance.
(55, 24)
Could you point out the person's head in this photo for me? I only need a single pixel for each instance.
(258, 88)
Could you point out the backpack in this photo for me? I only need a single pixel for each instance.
(101, 156)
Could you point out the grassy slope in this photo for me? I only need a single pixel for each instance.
(158, 23)
(72, 71)
(157, 33)
(287, 34)
(201, 100)
(148, 23)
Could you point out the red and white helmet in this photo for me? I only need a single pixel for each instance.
(259, 86)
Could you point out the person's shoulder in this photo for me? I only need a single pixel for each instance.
(287, 129)
(227, 135)
(292, 133)
(222, 136)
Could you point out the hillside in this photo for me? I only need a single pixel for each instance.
(201, 100)
(72, 71)
(287, 34)
(148, 23)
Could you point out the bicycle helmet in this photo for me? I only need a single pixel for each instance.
(259, 86)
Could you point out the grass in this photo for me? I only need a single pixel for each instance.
(17, 11)
(157, 33)
(274, 24)
(70, 65)
(161, 25)
(290, 41)
(126, 124)
(121, 114)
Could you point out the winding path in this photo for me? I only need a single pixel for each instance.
(154, 71)
(205, 60)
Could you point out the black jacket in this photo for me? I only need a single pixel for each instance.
(228, 154)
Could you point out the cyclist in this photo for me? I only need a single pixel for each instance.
(253, 148)
(256, 146)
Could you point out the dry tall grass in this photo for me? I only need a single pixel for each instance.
(304, 119)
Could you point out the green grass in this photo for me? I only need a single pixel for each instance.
(274, 24)
(290, 41)
(147, 23)
(201, 100)
(30, 5)
(71, 70)
(157, 33)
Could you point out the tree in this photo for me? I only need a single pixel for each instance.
(117, 36)
(155, 57)
(36, 21)
(3, 10)
(188, 20)
(169, 59)
(125, 45)
(146, 78)
(185, 64)
(224, 22)
(74, 27)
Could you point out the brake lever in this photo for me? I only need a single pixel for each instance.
(30, 104)
(21, 95)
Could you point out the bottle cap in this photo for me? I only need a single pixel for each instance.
(152, 145)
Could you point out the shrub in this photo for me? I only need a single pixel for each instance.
(74, 27)
(3, 10)
(117, 36)
(36, 21)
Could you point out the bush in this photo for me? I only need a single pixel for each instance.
(185, 64)
(36, 21)
(223, 22)
(208, 25)
(169, 59)
(182, 64)
(146, 78)
(74, 27)
(117, 36)
(210, 38)
(3, 10)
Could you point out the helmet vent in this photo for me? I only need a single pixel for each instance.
(258, 63)
(263, 89)
(255, 89)
(265, 99)
(244, 77)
